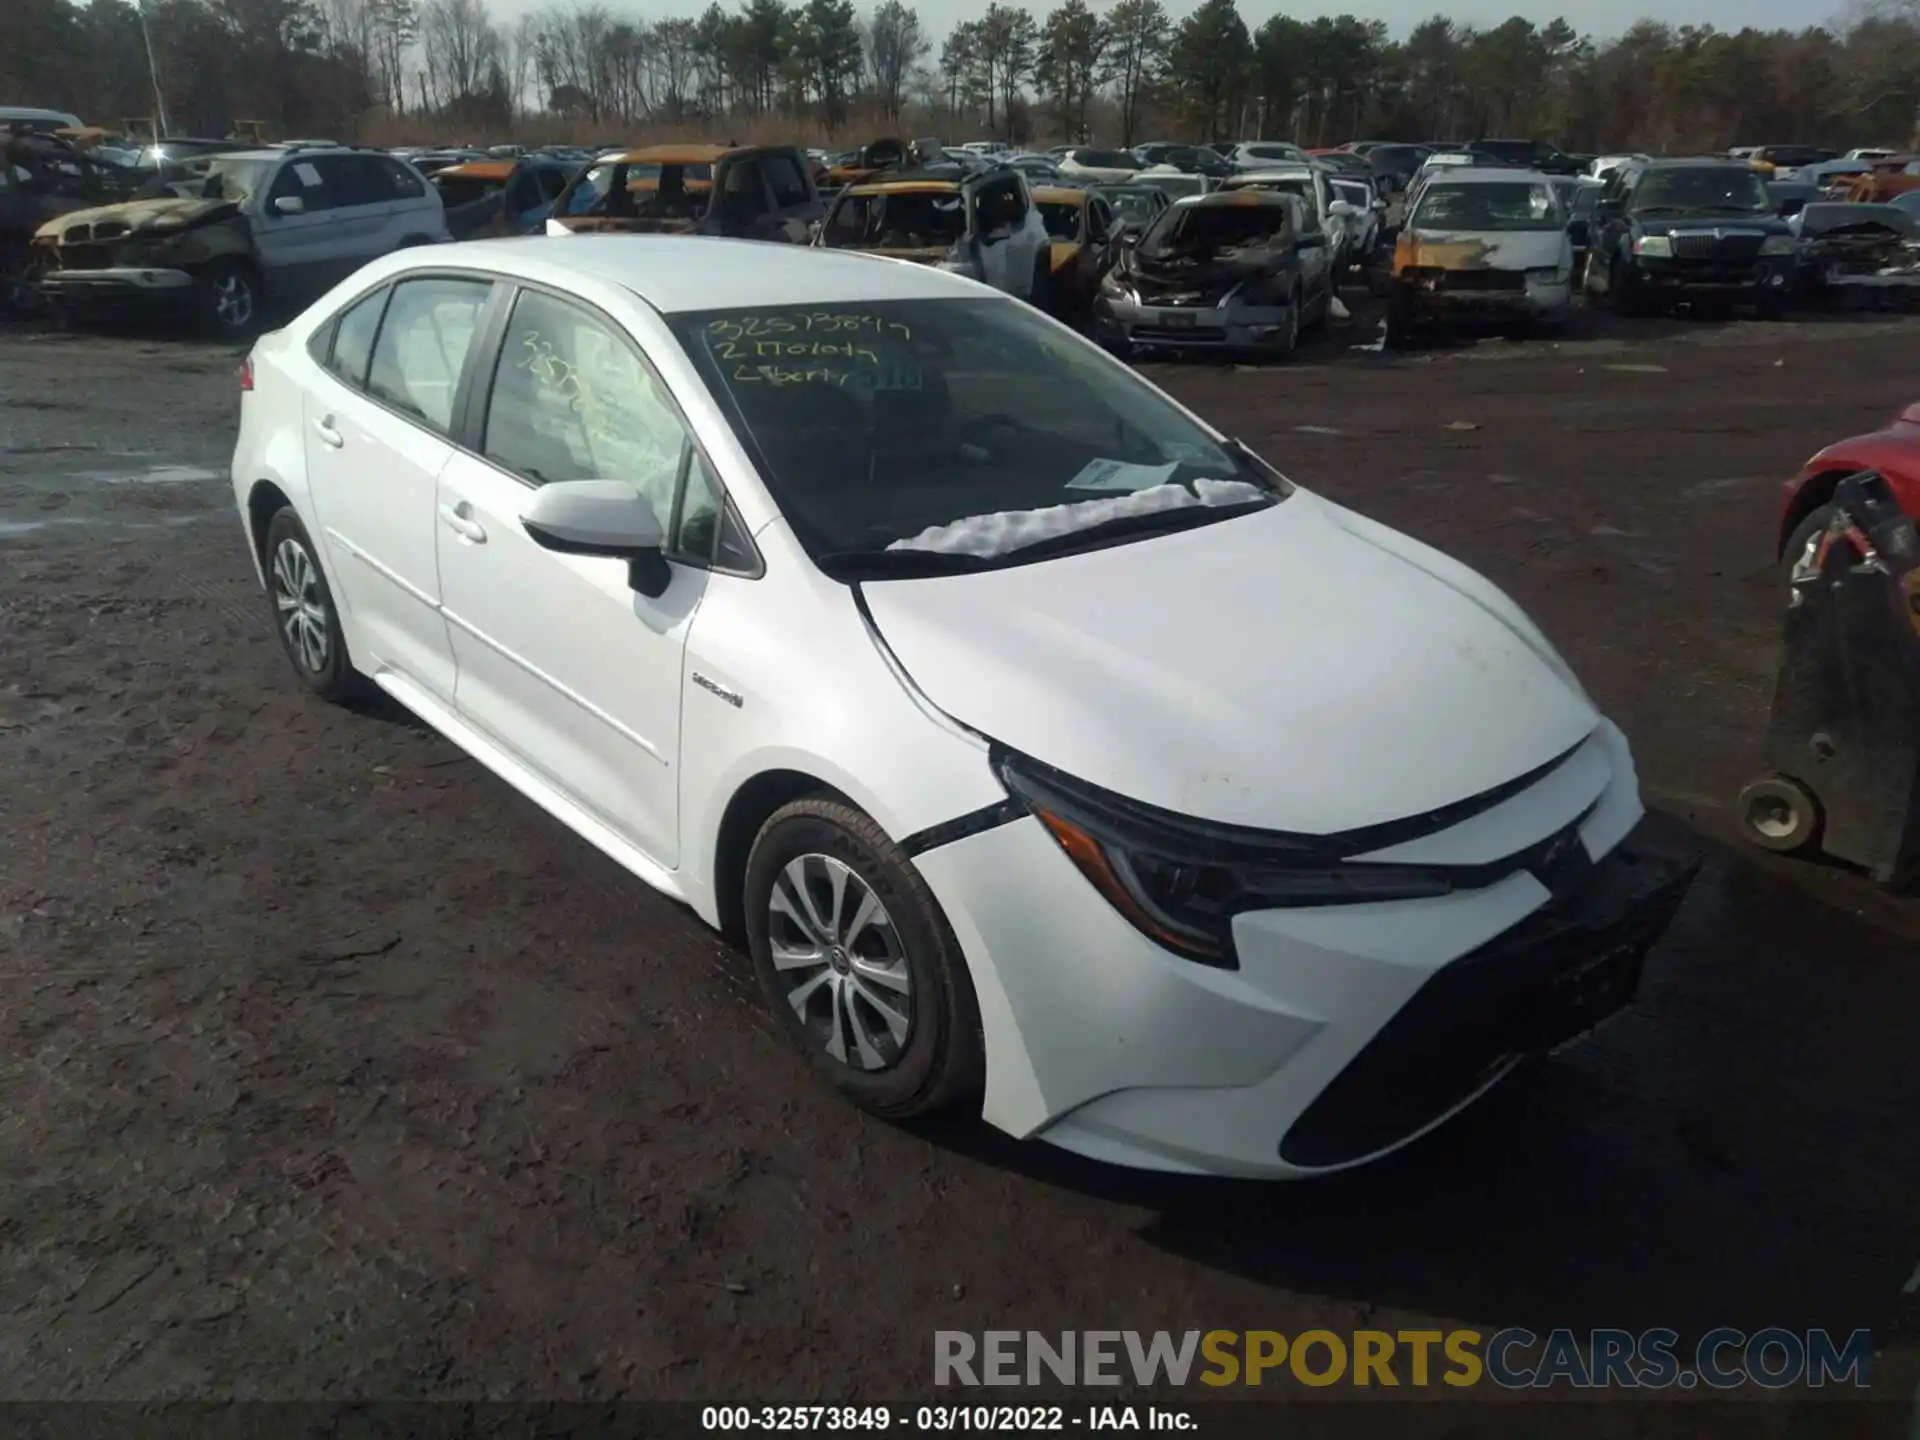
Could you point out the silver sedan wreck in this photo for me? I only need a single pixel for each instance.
(1235, 270)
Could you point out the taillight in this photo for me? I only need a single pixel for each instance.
(246, 375)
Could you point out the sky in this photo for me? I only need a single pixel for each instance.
(1599, 18)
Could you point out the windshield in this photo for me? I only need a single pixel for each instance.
(916, 436)
(660, 188)
(1201, 229)
(1734, 189)
(904, 220)
(235, 179)
(1062, 219)
(1503, 205)
(1300, 186)
(1134, 206)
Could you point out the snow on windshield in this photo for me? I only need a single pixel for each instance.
(1009, 530)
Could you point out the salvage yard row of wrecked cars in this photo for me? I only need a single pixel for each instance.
(1163, 247)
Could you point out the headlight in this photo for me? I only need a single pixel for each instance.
(1777, 245)
(1180, 881)
(1549, 275)
(1654, 245)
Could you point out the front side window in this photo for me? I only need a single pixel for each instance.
(904, 433)
(573, 400)
(302, 180)
(902, 220)
(423, 344)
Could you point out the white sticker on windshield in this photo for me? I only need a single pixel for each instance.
(308, 175)
(1121, 475)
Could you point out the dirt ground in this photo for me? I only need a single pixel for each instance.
(329, 1067)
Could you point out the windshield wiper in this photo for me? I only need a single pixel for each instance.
(898, 564)
(1127, 527)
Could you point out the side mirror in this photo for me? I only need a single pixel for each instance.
(1341, 209)
(601, 517)
(289, 205)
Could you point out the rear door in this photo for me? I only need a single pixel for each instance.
(377, 428)
(364, 204)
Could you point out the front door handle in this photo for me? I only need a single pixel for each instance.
(459, 519)
(328, 435)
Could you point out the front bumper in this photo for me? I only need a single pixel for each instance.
(1536, 300)
(1345, 1032)
(1751, 281)
(119, 288)
(1233, 326)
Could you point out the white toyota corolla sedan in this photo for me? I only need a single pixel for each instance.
(1054, 754)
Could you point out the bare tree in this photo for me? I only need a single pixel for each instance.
(896, 44)
(459, 45)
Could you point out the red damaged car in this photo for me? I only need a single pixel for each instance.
(1893, 451)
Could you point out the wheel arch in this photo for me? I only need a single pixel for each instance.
(752, 802)
(1816, 490)
(264, 500)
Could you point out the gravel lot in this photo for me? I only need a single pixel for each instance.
(331, 1068)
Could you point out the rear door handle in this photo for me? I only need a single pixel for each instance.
(459, 519)
(328, 435)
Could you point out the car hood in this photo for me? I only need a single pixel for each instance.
(1298, 669)
(139, 215)
(1731, 224)
(1482, 249)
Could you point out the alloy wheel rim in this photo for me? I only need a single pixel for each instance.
(841, 962)
(232, 300)
(302, 611)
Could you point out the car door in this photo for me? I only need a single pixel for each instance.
(293, 239)
(378, 423)
(364, 205)
(796, 202)
(559, 659)
(1312, 247)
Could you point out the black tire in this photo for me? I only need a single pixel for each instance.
(228, 299)
(941, 1060)
(1625, 294)
(1399, 322)
(1780, 814)
(1772, 308)
(331, 675)
(1811, 526)
(1041, 295)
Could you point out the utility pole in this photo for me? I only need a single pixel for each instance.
(153, 73)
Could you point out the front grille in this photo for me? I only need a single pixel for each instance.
(1736, 249)
(1555, 975)
(82, 257)
(1171, 335)
(1433, 279)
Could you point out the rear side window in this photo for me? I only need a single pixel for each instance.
(423, 346)
(353, 338)
(405, 181)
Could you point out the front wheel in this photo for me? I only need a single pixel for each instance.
(859, 964)
(227, 294)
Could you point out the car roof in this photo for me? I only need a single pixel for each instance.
(923, 186)
(1229, 199)
(1489, 175)
(677, 274)
(671, 155)
(1063, 195)
(478, 170)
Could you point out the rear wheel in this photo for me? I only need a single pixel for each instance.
(1780, 814)
(304, 615)
(859, 964)
(1805, 539)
